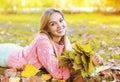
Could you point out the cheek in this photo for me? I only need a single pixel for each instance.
(65, 25)
(51, 29)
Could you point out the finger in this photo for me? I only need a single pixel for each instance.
(94, 57)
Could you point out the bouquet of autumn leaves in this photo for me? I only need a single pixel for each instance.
(78, 59)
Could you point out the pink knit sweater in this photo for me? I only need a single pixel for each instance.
(39, 53)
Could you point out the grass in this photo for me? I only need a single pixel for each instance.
(100, 30)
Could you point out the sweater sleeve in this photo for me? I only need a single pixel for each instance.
(48, 59)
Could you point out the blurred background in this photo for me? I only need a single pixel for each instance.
(71, 6)
(96, 22)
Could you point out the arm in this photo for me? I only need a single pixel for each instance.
(67, 44)
(48, 59)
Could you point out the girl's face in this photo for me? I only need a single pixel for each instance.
(56, 25)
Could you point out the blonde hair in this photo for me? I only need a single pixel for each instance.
(43, 28)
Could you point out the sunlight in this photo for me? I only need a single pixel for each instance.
(14, 8)
(84, 9)
(23, 3)
(62, 3)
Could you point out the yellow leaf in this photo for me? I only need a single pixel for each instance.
(29, 70)
(91, 67)
(46, 76)
(57, 80)
(61, 81)
(76, 66)
(78, 43)
(71, 54)
(77, 59)
(87, 48)
(60, 57)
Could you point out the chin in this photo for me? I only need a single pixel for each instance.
(61, 34)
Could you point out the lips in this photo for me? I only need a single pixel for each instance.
(60, 31)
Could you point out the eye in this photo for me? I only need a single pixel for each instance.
(52, 24)
(61, 20)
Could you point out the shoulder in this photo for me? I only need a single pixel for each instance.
(43, 42)
(42, 38)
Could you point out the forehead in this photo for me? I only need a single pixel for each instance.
(55, 16)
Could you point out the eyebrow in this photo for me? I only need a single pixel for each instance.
(51, 22)
(54, 21)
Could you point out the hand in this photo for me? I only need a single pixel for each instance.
(96, 59)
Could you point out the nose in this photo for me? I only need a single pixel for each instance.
(59, 25)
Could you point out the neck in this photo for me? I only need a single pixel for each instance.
(56, 39)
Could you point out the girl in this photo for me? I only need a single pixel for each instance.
(49, 43)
